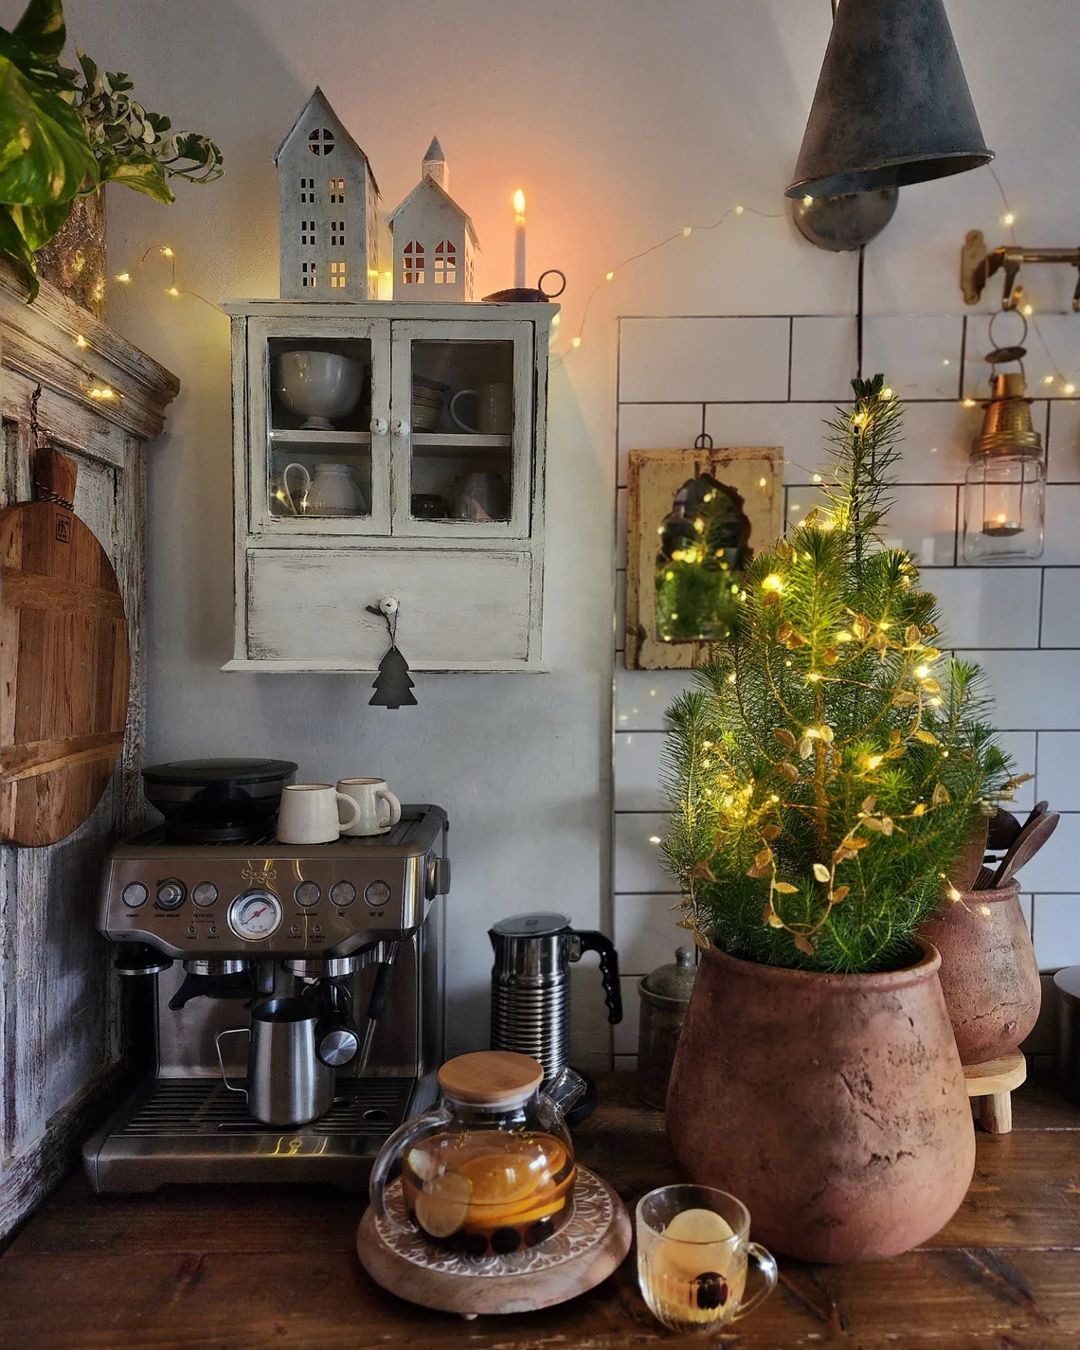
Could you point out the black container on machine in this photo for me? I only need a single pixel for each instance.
(530, 998)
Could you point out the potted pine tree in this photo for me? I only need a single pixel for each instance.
(825, 775)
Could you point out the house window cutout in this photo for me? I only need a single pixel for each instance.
(307, 232)
(337, 191)
(321, 141)
(337, 232)
(444, 272)
(307, 190)
(414, 263)
(704, 548)
(337, 276)
(307, 274)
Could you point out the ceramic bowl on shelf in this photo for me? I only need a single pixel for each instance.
(318, 386)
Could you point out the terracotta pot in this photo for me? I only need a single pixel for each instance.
(74, 261)
(833, 1106)
(988, 971)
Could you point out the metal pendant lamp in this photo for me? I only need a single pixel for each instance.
(892, 105)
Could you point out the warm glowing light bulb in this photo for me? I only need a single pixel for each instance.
(609, 276)
(687, 231)
(1070, 389)
(763, 482)
(1008, 219)
(808, 200)
(773, 582)
(816, 477)
(739, 210)
(888, 392)
(166, 251)
(969, 403)
(125, 277)
(519, 202)
(80, 341)
(575, 342)
(922, 671)
(1028, 310)
(171, 290)
(946, 362)
(1048, 379)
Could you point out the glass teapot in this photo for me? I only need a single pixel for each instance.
(490, 1170)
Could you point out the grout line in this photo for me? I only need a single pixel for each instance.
(790, 353)
(1042, 592)
(963, 358)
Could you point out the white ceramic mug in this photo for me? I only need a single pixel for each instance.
(332, 492)
(309, 814)
(376, 806)
(494, 409)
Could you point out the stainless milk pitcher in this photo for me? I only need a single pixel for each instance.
(530, 990)
(287, 1083)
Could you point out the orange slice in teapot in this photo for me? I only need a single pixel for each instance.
(443, 1205)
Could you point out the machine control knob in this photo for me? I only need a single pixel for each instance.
(205, 893)
(377, 894)
(308, 893)
(170, 894)
(342, 893)
(338, 1043)
(135, 894)
(437, 880)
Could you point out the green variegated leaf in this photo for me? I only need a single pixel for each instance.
(45, 154)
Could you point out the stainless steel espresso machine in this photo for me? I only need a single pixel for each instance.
(297, 999)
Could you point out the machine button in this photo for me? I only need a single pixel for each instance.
(205, 893)
(342, 893)
(377, 893)
(170, 894)
(135, 894)
(307, 893)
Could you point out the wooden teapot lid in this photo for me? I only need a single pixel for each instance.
(491, 1078)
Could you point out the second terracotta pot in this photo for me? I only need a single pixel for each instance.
(834, 1106)
(988, 971)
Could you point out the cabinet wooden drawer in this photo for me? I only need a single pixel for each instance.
(460, 609)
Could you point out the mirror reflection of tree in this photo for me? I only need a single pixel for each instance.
(704, 549)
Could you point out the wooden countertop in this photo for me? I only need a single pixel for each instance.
(250, 1267)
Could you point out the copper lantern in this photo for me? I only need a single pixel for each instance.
(1005, 485)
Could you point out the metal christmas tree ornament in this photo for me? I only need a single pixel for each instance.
(393, 685)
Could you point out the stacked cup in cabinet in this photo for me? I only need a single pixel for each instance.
(388, 450)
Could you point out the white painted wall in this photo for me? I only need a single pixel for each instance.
(623, 121)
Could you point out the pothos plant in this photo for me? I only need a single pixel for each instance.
(68, 132)
(831, 763)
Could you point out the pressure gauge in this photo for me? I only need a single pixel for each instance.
(255, 915)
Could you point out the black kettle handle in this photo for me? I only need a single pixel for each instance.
(609, 969)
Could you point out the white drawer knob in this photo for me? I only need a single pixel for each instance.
(379, 426)
(401, 427)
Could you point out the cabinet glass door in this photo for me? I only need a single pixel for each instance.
(319, 410)
(461, 427)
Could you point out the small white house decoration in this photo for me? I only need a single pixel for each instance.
(434, 240)
(328, 210)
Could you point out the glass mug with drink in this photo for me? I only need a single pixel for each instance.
(693, 1252)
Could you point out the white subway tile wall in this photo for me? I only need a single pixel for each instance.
(772, 381)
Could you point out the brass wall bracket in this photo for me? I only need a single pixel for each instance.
(978, 264)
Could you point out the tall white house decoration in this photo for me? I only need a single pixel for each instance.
(328, 210)
(434, 240)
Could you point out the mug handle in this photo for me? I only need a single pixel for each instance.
(452, 410)
(285, 485)
(230, 1031)
(766, 1266)
(354, 811)
(392, 802)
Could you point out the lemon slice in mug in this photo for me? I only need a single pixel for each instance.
(443, 1205)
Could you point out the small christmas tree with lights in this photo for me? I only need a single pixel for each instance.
(830, 765)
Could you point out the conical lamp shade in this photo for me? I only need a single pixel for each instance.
(892, 105)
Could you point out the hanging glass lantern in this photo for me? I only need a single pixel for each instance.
(1005, 485)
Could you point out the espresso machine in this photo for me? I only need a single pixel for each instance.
(294, 993)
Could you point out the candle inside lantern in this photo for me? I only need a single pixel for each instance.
(1000, 526)
(519, 238)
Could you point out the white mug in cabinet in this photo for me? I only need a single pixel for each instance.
(376, 806)
(332, 492)
(314, 813)
(494, 409)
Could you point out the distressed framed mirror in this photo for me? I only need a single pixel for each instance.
(694, 520)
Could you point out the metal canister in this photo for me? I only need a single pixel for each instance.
(1067, 995)
(665, 996)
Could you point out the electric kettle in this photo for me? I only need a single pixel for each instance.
(530, 992)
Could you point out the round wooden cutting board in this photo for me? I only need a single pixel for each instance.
(63, 662)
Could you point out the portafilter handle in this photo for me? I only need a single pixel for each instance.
(587, 941)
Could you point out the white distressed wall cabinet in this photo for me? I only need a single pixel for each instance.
(388, 449)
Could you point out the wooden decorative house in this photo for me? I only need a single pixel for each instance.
(434, 239)
(328, 210)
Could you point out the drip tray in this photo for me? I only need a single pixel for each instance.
(194, 1131)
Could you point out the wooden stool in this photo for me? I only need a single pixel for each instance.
(992, 1082)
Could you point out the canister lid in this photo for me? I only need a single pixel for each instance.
(531, 925)
(491, 1078)
(675, 980)
(1067, 982)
